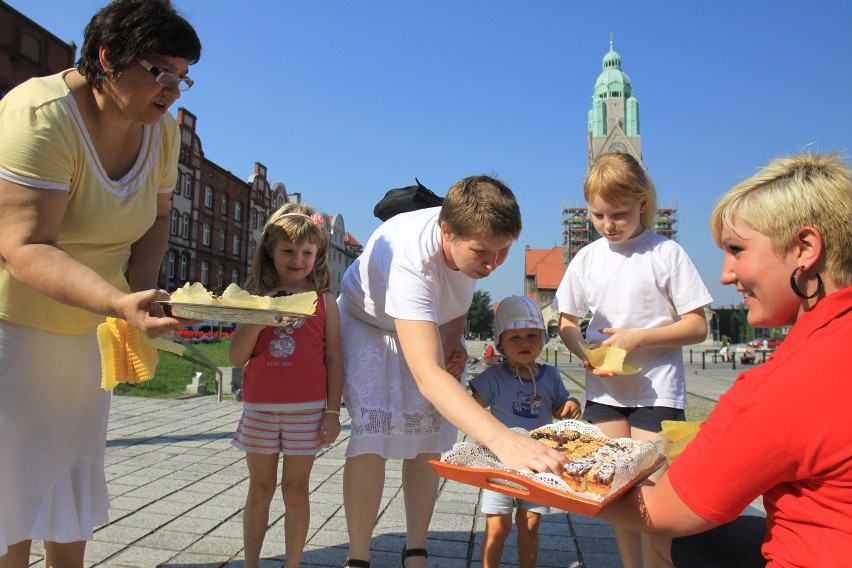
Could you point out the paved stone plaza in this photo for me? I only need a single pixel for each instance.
(178, 487)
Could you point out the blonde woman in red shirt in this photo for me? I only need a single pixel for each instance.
(788, 249)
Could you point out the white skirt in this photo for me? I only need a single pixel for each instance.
(389, 415)
(53, 424)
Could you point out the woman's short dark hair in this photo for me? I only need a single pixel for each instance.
(481, 206)
(132, 30)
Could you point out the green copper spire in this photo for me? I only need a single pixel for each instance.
(614, 116)
(612, 82)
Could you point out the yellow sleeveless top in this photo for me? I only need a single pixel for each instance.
(44, 144)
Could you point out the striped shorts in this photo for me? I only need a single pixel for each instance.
(288, 432)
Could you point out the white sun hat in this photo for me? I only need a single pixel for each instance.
(518, 312)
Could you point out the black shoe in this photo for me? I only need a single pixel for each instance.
(352, 563)
(413, 552)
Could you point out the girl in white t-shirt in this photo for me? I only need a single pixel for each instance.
(645, 297)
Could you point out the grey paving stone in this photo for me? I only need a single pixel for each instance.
(602, 560)
(120, 534)
(326, 557)
(593, 531)
(125, 503)
(452, 548)
(329, 538)
(212, 511)
(178, 488)
(563, 541)
(218, 546)
(139, 557)
(188, 560)
(98, 551)
(230, 529)
(151, 491)
(194, 525)
(167, 539)
(144, 520)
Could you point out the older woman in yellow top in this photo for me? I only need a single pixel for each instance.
(88, 162)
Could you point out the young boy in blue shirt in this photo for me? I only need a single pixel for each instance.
(520, 393)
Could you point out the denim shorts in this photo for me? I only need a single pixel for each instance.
(494, 503)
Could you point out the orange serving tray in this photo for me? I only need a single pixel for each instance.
(536, 492)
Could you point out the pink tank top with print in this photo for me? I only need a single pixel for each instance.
(288, 364)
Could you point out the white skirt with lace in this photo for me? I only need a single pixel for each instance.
(53, 423)
(389, 415)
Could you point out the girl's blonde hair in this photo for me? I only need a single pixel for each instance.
(805, 190)
(615, 176)
(296, 223)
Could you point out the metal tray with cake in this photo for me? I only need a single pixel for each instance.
(233, 314)
(235, 305)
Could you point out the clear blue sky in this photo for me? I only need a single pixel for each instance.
(345, 100)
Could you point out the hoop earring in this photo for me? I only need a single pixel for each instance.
(797, 291)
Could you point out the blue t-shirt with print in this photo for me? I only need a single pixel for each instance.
(517, 402)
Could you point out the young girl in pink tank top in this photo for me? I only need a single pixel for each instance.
(292, 381)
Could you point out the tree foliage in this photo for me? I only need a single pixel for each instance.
(480, 317)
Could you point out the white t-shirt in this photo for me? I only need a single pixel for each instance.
(646, 282)
(402, 274)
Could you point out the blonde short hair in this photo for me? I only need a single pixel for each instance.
(804, 190)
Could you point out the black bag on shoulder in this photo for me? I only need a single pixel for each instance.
(403, 199)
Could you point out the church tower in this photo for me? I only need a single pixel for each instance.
(613, 127)
(614, 117)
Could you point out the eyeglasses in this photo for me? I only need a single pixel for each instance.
(167, 79)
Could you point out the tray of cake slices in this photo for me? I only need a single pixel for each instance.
(194, 301)
(598, 471)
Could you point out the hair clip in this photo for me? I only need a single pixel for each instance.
(318, 220)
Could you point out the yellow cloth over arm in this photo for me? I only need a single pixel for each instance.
(126, 355)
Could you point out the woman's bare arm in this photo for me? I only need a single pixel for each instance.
(29, 232)
(421, 345)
